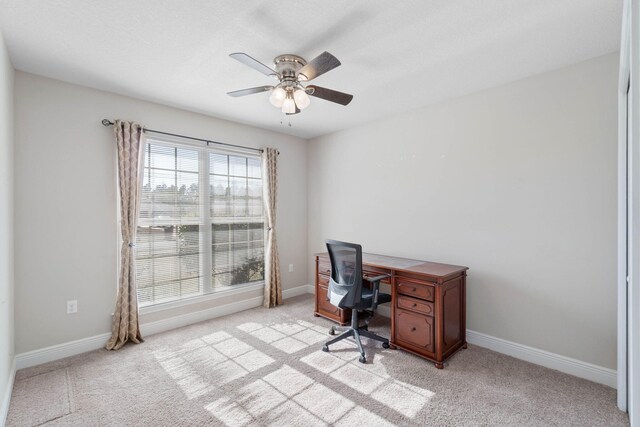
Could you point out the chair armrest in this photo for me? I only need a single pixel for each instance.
(377, 278)
(375, 281)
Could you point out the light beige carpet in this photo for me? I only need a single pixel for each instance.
(264, 367)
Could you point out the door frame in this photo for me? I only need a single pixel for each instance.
(623, 229)
(629, 214)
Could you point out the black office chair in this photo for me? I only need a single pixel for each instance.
(347, 290)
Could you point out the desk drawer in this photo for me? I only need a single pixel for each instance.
(416, 305)
(414, 289)
(415, 330)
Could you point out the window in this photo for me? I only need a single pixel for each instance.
(201, 223)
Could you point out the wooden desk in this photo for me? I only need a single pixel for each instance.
(428, 303)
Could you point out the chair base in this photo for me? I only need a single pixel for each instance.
(356, 332)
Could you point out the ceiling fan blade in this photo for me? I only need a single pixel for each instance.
(253, 63)
(250, 91)
(329, 94)
(318, 66)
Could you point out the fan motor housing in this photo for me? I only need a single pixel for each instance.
(288, 65)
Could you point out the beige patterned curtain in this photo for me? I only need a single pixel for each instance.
(272, 283)
(129, 139)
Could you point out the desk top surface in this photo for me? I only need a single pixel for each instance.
(406, 264)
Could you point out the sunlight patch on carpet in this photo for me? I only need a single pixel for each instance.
(362, 417)
(288, 328)
(229, 412)
(216, 337)
(289, 345)
(289, 397)
(287, 337)
(187, 378)
(201, 365)
(323, 402)
(218, 358)
(288, 380)
(371, 379)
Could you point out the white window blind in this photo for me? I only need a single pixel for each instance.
(201, 223)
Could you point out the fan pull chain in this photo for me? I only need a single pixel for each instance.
(282, 121)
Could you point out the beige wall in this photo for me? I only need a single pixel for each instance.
(65, 222)
(516, 182)
(6, 223)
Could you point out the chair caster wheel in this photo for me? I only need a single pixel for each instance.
(385, 345)
(325, 348)
(362, 359)
(332, 331)
(365, 327)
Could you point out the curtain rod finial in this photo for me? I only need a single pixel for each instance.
(106, 122)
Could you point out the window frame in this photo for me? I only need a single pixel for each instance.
(209, 292)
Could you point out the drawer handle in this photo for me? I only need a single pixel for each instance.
(413, 289)
(413, 329)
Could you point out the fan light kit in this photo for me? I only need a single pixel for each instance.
(290, 95)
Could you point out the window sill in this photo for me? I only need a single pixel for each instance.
(217, 294)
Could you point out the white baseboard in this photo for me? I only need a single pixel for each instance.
(60, 351)
(164, 325)
(4, 409)
(298, 290)
(544, 358)
(211, 313)
(564, 364)
(570, 366)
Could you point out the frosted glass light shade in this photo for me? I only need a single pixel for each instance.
(288, 106)
(277, 97)
(301, 98)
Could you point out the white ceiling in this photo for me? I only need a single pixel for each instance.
(396, 55)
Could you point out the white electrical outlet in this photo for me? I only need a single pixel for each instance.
(290, 268)
(72, 306)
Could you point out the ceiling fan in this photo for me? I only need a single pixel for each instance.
(292, 71)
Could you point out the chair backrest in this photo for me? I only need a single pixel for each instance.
(346, 270)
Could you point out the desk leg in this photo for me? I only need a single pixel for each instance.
(392, 346)
(464, 345)
(439, 365)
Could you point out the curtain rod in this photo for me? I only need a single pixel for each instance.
(107, 122)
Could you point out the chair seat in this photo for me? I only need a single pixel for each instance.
(367, 295)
